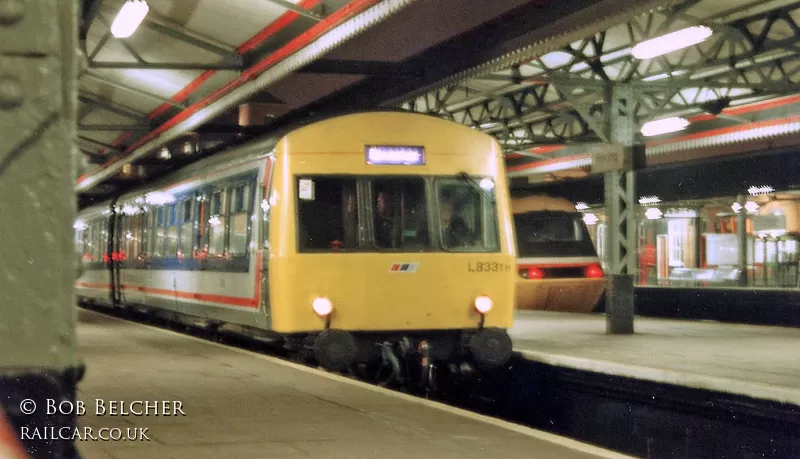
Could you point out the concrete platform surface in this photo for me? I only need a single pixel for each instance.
(242, 404)
(752, 360)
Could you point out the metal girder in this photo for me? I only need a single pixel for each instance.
(560, 97)
(88, 13)
(164, 27)
(327, 41)
(297, 9)
(98, 143)
(167, 65)
(131, 89)
(621, 204)
(114, 127)
(108, 106)
(123, 42)
(231, 60)
(371, 68)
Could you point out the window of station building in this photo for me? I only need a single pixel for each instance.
(186, 244)
(240, 209)
(327, 213)
(217, 223)
(399, 214)
(468, 216)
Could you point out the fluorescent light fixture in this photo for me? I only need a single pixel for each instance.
(581, 206)
(129, 18)
(664, 126)
(646, 200)
(671, 42)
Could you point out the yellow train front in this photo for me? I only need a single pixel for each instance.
(391, 230)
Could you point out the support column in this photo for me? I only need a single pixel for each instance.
(38, 86)
(741, 236)
(620, 203)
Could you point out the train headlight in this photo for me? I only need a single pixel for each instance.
(322, 306)
(483, 304)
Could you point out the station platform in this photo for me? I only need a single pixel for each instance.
(748, 360)
(238, 403)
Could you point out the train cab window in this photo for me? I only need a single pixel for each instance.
(399, 213)
(217, 223)
(239, 213)
(551, 233)
(186, 244)
(327, 214)
(467, 216)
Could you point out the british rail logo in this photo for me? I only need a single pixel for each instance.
(403, 267)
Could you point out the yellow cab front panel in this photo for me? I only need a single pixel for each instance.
(392, 246)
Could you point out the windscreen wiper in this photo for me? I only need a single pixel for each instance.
(464, 177)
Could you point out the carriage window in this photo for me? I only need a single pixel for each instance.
(327, 213)
(468, 218)
(216, 222)
(102, 240)
(399, 214)
(158, 247)
(239, 214)
(172, 231)
(147, 233)
(187, 226)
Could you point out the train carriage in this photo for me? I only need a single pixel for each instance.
(354, 235)
(558, 265)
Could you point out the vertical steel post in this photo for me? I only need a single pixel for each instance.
(620, 202)
(38, 84)
(741, 235)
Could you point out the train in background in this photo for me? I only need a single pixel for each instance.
(558, 267)
(360, 239)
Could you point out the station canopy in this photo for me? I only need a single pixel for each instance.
(167, 82)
